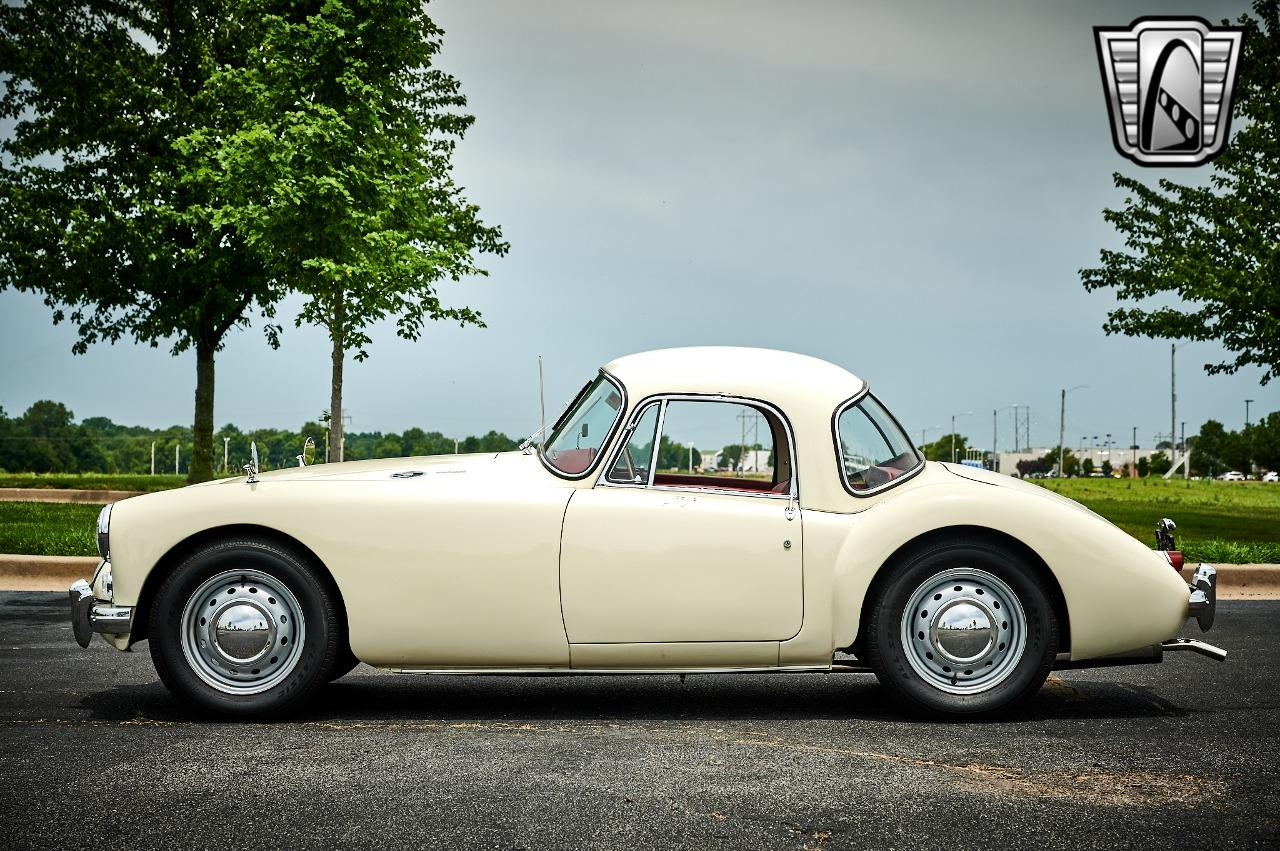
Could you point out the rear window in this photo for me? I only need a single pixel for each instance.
(873, 449)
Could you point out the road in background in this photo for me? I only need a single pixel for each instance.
(94, 752)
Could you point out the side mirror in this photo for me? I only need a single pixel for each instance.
(251, 469)
(584, 429)
(308, 453)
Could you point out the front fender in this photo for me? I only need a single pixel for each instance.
(1120, 595)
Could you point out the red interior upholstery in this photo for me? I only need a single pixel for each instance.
(725, 483)
(574, 461)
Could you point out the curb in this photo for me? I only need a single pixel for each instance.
(51, 573)
(61, 495)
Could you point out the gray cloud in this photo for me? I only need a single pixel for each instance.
(905, 190)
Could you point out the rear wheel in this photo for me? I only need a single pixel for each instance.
(244, 627)
(962, 628)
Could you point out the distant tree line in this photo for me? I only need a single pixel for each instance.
(1214, 450)
(46, 439)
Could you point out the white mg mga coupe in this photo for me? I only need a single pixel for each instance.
(805, 533)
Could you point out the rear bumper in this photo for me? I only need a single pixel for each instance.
(1203, 602)
(90, 615)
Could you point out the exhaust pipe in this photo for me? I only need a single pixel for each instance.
(1195, 646)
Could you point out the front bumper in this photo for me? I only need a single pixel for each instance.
(90, 615)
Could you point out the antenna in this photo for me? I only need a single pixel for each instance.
(542, 405)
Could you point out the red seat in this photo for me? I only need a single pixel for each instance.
(573, 461)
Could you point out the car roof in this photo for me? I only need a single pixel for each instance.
(735, 370)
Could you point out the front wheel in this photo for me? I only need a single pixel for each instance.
(244, 627)
(962, 628)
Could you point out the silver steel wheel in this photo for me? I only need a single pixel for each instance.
(963, 631)
(242, 631)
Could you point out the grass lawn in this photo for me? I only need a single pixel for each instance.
(1218, 522)
(48, 528)
(92, 481)
(1229, 522)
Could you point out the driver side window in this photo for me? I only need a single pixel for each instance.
(633, 462)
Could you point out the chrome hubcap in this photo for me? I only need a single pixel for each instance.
(964, 630)
(242, 631)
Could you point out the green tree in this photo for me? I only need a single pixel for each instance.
(340, 171)
(1144, 466)
(1159, 463)
(940, 449)
(99, 209)
(1209, 447)
(1266, 442)
(1053, 457)
(1215, 248)
(1086, 467)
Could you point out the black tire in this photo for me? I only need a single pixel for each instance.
(345, 664)
(883, 634)
(313, 658)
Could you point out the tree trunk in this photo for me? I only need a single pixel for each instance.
(335, 387)
(201, 469)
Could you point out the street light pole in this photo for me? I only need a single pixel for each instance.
(953, 433)
(1247, 403)
(1133, 471)
(995, 419)
(1062, 430)
(226, 441)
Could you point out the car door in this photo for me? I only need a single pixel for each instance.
(665, 550)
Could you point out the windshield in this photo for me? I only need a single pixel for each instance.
(581, 431)
(873, 449)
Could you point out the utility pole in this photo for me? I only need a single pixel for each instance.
(176, 448)
(1173, 403)
(691, 459)
(1186, 463)
(1133, 470)
(226, 441)
(1247, 403)
(153, 457)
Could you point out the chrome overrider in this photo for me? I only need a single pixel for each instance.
(90, 615)
(1202, 604)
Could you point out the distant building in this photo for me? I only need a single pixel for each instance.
(1007, 462)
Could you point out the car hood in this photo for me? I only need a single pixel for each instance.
(439, 467)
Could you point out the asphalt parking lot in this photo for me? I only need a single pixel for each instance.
(95, 753)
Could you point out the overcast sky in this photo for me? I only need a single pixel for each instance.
(907, 190)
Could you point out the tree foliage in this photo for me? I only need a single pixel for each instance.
(339, 169)
(46, 439)
(1214, 251)
(99, 209)
(940, 449)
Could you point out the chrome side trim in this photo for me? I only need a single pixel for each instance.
(554, 671)
(1195, 646)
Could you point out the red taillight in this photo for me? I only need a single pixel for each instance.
(1175, 559)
